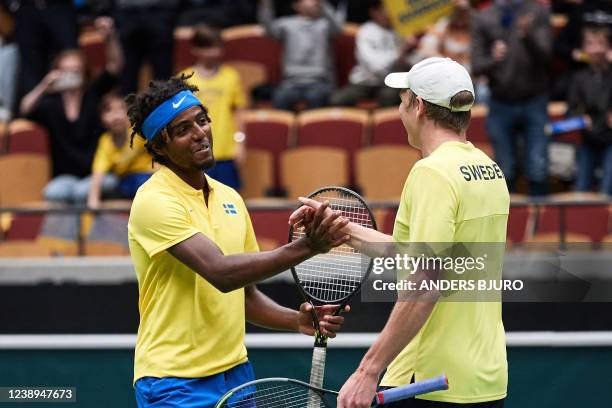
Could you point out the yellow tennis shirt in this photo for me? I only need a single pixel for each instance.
(121, 160)
(222, 94)
(188, 328)
(456, 194)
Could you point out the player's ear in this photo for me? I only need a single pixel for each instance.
(420, 107)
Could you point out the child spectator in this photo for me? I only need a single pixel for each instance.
(67, 106)
(590, 96)
(118, 168)
(220, 90)
(378, 50)
(308, 66)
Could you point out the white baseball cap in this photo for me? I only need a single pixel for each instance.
(436, 80)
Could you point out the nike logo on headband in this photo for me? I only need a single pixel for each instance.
(177, 104)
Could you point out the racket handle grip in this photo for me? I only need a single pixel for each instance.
(317, 370)
(410, 390)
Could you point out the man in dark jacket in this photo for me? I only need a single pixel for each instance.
(511, 44)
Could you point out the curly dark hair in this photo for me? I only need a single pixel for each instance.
(141, 105)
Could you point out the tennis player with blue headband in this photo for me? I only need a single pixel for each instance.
(196, 259)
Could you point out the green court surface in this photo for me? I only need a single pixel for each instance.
(539, 377)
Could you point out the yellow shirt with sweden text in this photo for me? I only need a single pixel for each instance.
(448, 198)
(188, 328)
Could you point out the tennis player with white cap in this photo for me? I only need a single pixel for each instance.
(455, 194)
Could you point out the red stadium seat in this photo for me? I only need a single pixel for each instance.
(270, 131)
(477, 132)
(382, 170)
(487, 149)
(249, 43)
(27, 137)
(583, 222)
(182, 48)
(305, 169)
(91, 43)
(343, 128)
(24, 227)
(520, 222)
(344, 50)
(30, 173)
(387, 128)
(257, 174)
(270, 226)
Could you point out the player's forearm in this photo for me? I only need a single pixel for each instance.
(367, 240)
(404, 323)
(264, 312)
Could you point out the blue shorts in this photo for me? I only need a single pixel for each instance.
(226, 172)
(190, 392)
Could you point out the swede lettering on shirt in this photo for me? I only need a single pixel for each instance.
(472, 172)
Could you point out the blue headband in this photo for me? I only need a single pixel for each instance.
(168, 110)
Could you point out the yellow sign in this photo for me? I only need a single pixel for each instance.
(416, 16)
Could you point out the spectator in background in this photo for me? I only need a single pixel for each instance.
(42, 30)
(9, 62)
(378, 51)
(146, 29)
(511, 45)
(308, 60)
(590, 95)
(67, 106)
(568, 43)
(450, 37)
(220, 90)
(217, 13)
(119, 167)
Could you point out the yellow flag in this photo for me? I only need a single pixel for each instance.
(416, 16)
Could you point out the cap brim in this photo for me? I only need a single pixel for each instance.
(397, 80)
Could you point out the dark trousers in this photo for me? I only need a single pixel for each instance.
(146, 34)
(41, 32)
(502, 123)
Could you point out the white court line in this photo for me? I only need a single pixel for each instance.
(289, 340)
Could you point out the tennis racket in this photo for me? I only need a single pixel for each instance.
(289, 393)
(334, 277)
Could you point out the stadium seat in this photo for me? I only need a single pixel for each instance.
(385, 218)
(23, 249)
(3, 137)
(257, 173)
(272, 131)
(270, 224)
(344, 50)
(387, 128)
(182, 48)
(556, 111)
(477, 132)
(30, 174)
(25, 136)
(91, 43)
(520, 222)
(249, 43)
(382, 170)
(306, 169)
(343, 128)
(586, 218)
(105, 248)
(24, 227)
(252, 74)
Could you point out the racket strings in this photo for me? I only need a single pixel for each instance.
(335, 275)
(287, 395)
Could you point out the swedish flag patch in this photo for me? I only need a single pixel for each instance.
(230, 209)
